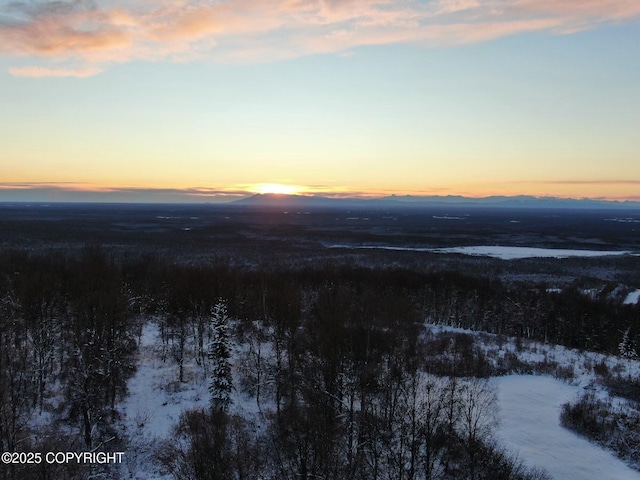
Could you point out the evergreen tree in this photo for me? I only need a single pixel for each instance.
(625, 347)
(219, 355)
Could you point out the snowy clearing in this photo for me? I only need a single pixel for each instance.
(632, 298)
(530, 425)
(156, 398)
(154, 404)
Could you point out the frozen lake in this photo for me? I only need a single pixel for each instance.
(497, 251)
(512, 253)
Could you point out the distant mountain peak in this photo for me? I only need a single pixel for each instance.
(283, 200)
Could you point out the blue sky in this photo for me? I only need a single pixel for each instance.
(201, 100)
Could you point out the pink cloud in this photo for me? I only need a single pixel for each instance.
(186, 25)
(63, 33)
(265, 30)
(38, 72)
(609, 9)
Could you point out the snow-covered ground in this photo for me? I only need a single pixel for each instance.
(154, 404)
(530, 426)
(632, 298)
(156, 397)
(529, 409)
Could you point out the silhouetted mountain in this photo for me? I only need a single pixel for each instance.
(412, 201)
(300, 201)
(522, 201)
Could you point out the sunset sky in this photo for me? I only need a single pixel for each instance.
(184, 100)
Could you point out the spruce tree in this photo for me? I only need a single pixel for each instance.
(219, 355)
(625, 347)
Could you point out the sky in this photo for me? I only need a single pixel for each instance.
(207, 101)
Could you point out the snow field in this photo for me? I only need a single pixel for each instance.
(632, 298)
(529, 425)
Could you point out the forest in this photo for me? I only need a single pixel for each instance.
(346, 380)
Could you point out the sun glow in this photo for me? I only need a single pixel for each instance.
(277, 188)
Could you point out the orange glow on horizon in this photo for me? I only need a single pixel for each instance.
(612, 191)
(277, 188)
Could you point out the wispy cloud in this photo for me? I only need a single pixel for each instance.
(71, 191)
(582, 182)
(78, 36)
(37, 72)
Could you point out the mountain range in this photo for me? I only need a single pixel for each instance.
(413, 201)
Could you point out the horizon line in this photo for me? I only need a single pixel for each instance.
(185, 197)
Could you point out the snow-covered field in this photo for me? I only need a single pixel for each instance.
(530, 426)
(632, 298)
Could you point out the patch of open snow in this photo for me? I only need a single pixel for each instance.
(632, 298)
(530, 425)
(156, 399)
(151, 406)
